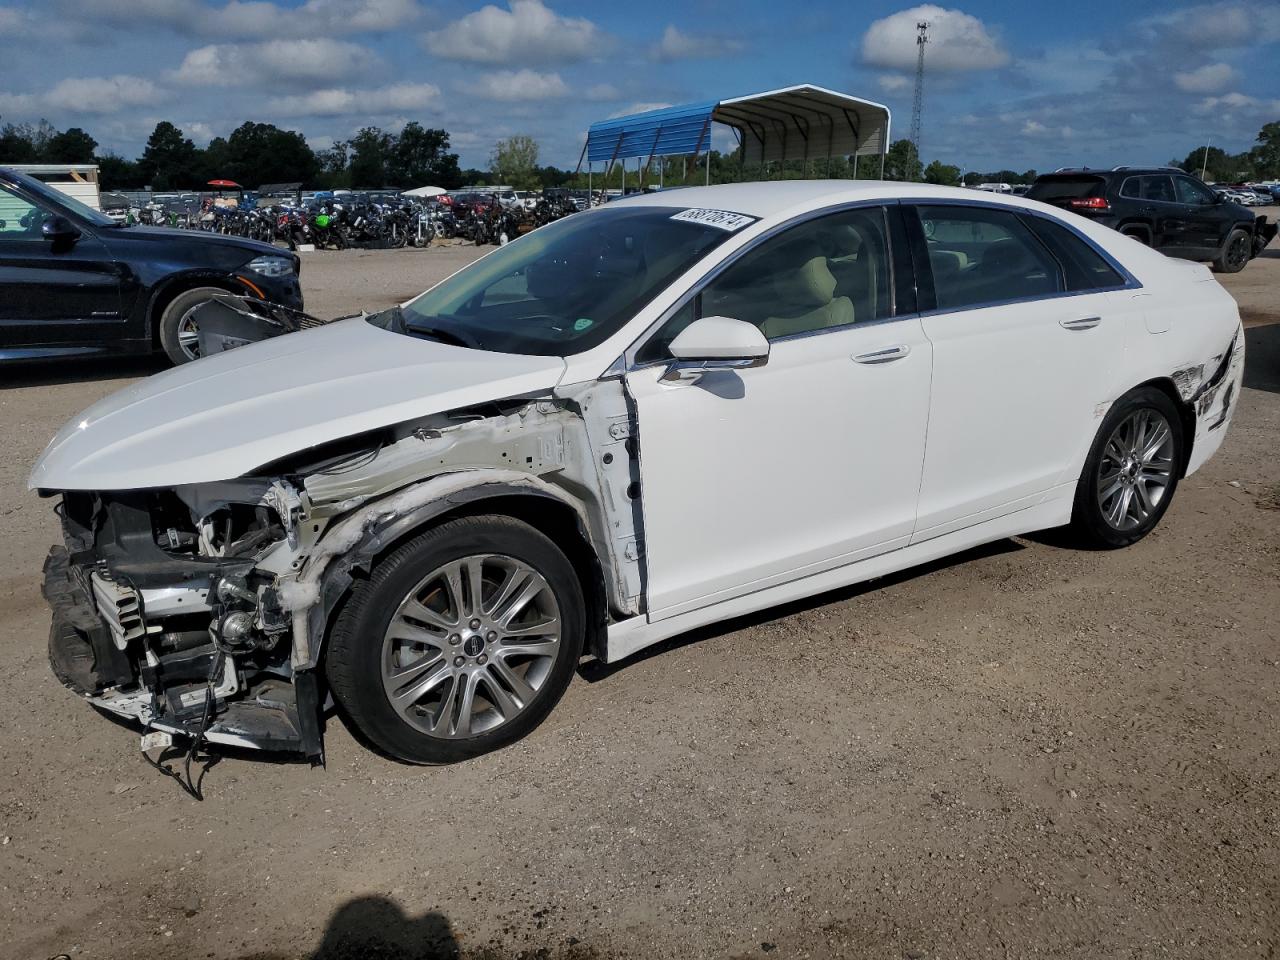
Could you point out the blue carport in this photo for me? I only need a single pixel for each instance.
(803, 122)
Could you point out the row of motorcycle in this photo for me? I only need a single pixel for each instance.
(338, 224)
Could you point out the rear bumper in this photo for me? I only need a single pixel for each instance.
(1215, 405)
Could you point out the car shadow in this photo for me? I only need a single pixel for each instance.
(48, 373)
(594, 671)
(1262, 358)
(377, 928)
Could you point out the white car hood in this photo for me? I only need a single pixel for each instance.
(222, 416)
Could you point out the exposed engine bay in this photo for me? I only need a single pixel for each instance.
(201, 609)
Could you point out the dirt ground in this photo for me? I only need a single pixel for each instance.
(1024, 751)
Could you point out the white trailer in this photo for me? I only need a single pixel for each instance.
(78, 180)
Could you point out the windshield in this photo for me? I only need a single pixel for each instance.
(564, 288)
(58, 198)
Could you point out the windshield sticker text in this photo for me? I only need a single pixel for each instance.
(722, 219)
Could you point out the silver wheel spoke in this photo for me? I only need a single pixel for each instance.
(1155, 441)
(522, 692)
(534, 586)
(420, 611)
(419, 684)
(474, 569)
(468, 681)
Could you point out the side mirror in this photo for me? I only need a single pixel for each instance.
(58, 227)
(716, 343)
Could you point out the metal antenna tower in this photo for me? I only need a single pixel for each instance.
(917, 106)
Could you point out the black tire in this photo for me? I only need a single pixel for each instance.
(171, 322)
(1089, 526)
(1235, 252)
(1141, 234)
(354, 658)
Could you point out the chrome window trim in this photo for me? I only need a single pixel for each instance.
(629, 355)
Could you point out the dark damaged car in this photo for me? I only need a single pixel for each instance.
(75, 282)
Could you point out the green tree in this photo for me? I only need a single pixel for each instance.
(514, 161)
(117, 173)
(169, 160)
(258, 153)
(369, 150)
(420, 157)
(943, 173)
(16, 145)
(1266, 155)
(902, 162)
(70, 146)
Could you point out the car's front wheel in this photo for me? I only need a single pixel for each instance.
(460, 642)
(1131, 472)
(179, 330)
(1235, 252)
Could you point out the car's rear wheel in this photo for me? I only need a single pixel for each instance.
(461, 641)
(1235, 252)
(179, 329)
(1131, 473)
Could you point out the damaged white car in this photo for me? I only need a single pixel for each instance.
(665, 412)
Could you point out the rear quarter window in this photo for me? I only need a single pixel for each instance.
(1083, 267)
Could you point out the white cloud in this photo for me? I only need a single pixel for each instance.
(527, 33)
(957, 41)
(1230, 103)
(297, 61)
(1210, 78)
(340, 101)
(676, 45)
(638, 108)
(894, 82)
(515, 85)
(251, 18)
(92, 95)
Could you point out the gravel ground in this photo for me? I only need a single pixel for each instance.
(1024, 751)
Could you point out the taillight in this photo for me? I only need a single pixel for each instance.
(1091, 203)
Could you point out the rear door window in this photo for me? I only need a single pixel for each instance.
(983, 256)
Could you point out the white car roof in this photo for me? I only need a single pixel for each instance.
(771, 199)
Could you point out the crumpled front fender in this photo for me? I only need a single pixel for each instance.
(353, 543)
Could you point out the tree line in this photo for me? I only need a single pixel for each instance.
(261, 153)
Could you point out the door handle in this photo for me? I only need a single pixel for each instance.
(885, 355)
(1084, 323)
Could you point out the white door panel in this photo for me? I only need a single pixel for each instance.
(753, 477)
(1016, 391)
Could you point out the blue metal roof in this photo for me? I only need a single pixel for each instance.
(801, 122)
(671, 130)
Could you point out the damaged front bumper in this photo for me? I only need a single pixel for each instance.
(190, 645)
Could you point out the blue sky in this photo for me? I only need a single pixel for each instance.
(1016, 85)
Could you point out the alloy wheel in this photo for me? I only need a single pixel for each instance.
(1136, 469)
(1238, 252)
(189, 334)
(470, 646)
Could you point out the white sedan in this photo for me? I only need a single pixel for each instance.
(667, 411)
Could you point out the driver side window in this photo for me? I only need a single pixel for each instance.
(1191, 192)
(19, 218)
(825, 273)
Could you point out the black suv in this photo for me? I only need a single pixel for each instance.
(73, 281)
(1162, 207)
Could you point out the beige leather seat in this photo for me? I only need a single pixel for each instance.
(804, 299)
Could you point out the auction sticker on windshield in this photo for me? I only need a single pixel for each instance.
(715, 218)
